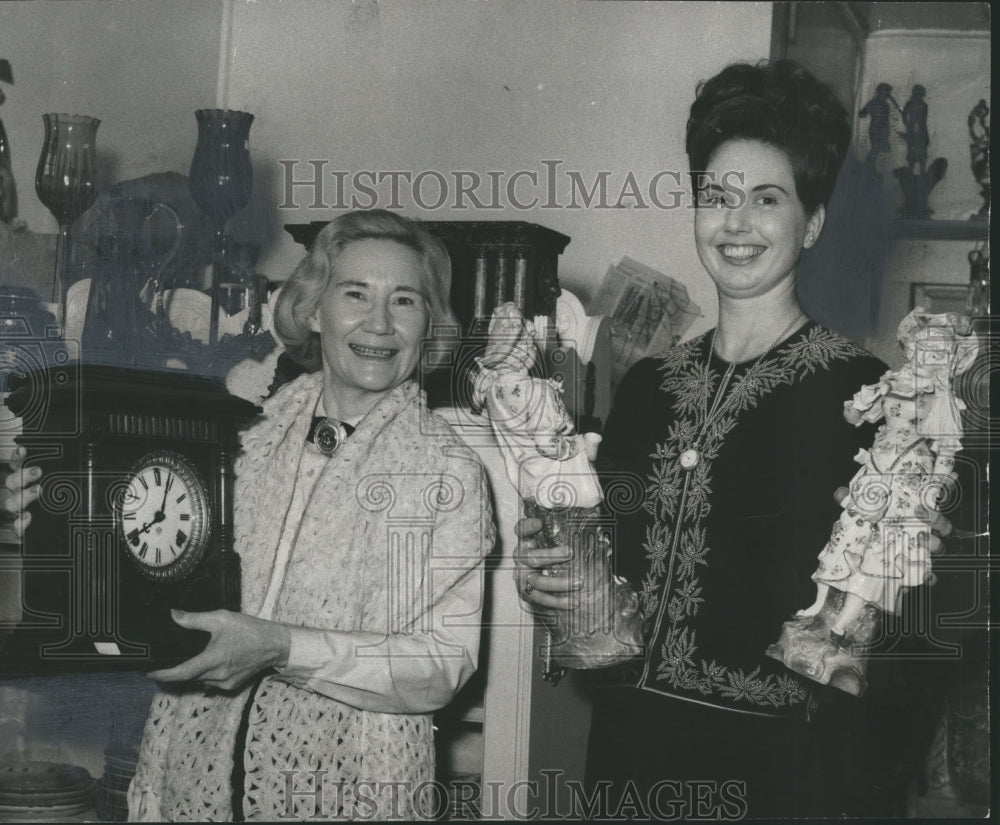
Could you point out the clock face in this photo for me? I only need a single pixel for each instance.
(164, 516)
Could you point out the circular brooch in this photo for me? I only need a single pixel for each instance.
(329, 435)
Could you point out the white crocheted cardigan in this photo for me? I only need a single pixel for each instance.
(402, 487)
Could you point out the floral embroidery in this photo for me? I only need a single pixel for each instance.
(817, 347)
(676, 545)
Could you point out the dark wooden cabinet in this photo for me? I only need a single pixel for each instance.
(492, 262)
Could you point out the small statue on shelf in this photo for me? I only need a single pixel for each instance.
(916, 137)
(918, 178)
(879, 546)
(979, 148)
(878, 127)
(548, 463)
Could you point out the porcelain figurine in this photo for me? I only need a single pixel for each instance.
(879, 546)
(546, 459)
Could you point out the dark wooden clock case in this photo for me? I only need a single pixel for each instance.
(86, 427)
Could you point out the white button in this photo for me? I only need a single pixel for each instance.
(690, 459)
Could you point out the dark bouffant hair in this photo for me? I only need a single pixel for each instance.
(777, 103)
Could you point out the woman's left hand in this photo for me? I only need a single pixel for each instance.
(940, 528)
(241, 646)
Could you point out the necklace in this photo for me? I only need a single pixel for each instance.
(691, 457)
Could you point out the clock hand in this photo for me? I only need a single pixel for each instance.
(166, 491)
(157, 518)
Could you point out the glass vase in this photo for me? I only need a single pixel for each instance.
(605, 626)
(66, 183)
(221, 181)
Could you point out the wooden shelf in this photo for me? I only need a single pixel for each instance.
(931, 230)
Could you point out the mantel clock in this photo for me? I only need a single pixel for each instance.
(135, 516)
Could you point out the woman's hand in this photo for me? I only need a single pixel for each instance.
(940, 526)
(241, 646)
(539, 580)
(20, 489)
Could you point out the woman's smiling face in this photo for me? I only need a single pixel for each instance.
(371, 319)
(749, 242)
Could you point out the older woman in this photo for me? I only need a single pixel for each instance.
(361, 521)
(736, 440)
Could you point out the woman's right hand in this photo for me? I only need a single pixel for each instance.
(240, 647)
(540, 581)
(20, 489)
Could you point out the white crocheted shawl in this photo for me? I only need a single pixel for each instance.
(372, 521)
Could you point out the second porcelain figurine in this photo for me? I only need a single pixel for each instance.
(879, 546)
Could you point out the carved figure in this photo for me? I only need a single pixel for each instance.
(544, 458)
(918, 178)
(979, 149)
(878, 127)
(916, 137)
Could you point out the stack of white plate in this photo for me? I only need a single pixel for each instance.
(112, 790)
(45, 792)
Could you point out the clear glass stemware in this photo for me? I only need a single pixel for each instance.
(66, 183)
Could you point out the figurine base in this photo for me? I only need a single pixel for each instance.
(917, 188)
(809, 647)
(606, 628)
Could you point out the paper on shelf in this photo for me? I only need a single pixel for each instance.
(649, 312)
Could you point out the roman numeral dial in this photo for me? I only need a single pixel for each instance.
(164, 516)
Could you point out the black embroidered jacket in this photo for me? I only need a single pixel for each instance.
(722, 554)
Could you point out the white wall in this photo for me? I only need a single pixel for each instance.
(489, 85)
(141, 67)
